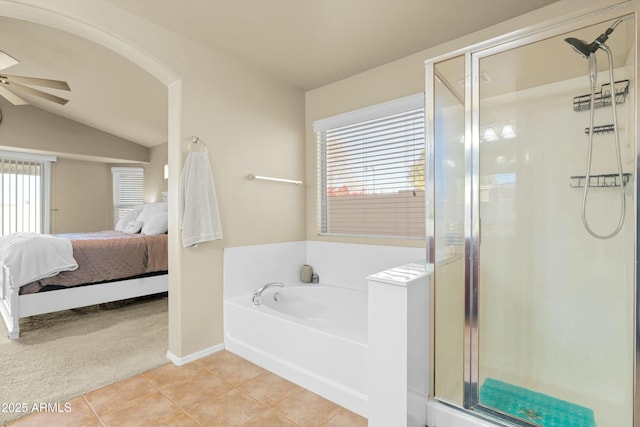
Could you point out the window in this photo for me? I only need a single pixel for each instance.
(24, 192)
(128, 190)
(371, 170)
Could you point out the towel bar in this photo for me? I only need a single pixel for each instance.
(267, 178)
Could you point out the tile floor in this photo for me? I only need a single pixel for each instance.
(219, 390)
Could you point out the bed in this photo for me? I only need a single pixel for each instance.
(47, 273)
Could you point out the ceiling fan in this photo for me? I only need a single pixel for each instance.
(9, 84)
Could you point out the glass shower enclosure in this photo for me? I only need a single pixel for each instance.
(534, 318)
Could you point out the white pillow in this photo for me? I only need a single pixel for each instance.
(154, 218)
(157, 224)
(133, 227)
(128, 217)
(151, 210)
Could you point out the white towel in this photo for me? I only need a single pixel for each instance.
(199, 215)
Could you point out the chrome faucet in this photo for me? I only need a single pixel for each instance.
(257, 295)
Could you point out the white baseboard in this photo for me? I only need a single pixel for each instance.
(179, 361)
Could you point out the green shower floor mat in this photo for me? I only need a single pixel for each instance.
(534, 407)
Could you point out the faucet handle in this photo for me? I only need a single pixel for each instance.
(256, 299)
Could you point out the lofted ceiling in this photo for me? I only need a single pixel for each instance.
(108, 92)
(308, 43)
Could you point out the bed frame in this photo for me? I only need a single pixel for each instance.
(13, 306)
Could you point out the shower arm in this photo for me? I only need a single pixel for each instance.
(604, 36)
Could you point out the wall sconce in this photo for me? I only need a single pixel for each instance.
(166, 172)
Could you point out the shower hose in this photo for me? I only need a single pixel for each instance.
(590, 152)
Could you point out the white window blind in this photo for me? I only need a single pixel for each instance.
(371, 170)
(24, 193)
(128, 190)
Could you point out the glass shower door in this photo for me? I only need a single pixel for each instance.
(555, 304)
(534, 318)
(449, 193)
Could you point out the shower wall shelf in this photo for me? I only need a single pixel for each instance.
(606, 180)
(603, 98)
(600, 129)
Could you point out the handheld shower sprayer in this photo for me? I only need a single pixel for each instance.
(588, 50)
(593, 71)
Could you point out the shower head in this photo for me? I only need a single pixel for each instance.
(587, 49)
(582, 47)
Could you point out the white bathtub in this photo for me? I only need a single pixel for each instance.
(313, 335)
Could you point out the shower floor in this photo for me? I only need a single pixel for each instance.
(533, 407)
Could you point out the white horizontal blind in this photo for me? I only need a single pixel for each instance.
(128, 190)
(371, 172)
(24, 193)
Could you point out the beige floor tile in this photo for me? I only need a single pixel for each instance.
(79, 415)
(268, 388)
(202, 389)
(308, 409)
(170, 374)
(119, 395)
(270, 418)
(347, 418)
(229, 410)
(155, 410)
(231, 368)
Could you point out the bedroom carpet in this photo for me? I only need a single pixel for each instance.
(66, 354)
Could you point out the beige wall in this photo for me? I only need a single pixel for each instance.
(81, 198)
(250, 123)
(81, 190)
(31, 129)
(154, 182)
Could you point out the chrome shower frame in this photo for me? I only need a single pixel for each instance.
(472, 56)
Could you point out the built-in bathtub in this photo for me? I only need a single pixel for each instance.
(313, 335)
(309, 341)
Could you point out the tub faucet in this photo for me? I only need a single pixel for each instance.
(257, 295)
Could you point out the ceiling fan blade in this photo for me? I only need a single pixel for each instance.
(55, 84)
(7, 60)
(36, 92)
(11, 97)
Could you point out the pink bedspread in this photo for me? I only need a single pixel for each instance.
(108, 255)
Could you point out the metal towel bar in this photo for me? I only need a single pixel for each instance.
(267, 178)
